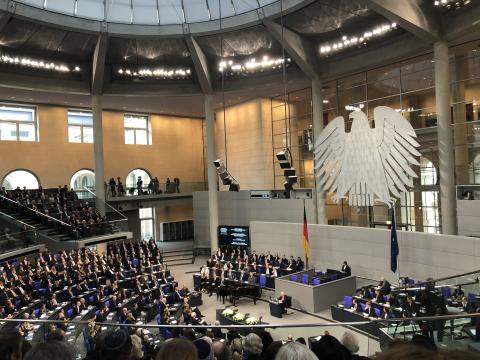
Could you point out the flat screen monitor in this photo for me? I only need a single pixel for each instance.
(233, 235)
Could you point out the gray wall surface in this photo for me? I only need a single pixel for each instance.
(367, 250)
(468, 215)
(314, 298)
(236, 208)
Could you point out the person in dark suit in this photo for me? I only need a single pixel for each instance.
(458, 293)
(101, 315)
(346, 268)
(77, 309)
(184, 291)
(369, 310)
(282, 300)
(176, 296)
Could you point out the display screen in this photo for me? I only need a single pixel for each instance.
(233, 235)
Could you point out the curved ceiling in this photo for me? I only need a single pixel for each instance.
(167, 16)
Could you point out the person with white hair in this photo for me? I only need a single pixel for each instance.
(252, 347)
(350, 342)
(293, 350)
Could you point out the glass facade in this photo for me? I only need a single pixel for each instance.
(408, 87)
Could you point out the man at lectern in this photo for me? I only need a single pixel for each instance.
(346, 268)
(282, 301)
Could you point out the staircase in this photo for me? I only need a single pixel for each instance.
(178, 257)
(41, 228)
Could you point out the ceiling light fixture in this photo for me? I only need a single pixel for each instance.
(155, 73)
(356, 40)
(36, 63)
(451, 4)
(252, 65)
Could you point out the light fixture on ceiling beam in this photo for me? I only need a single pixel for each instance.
(155, 73)
(43, 64)
(252, 65)
(356, 40)
(451, 4)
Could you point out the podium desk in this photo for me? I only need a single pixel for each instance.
(275, 309)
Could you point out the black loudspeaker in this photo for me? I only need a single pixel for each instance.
(292, 180)
(289, 172)
(218, 163)
(234, 186)
(282, 156)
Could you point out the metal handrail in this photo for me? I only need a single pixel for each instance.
(36, 211)
(263, 326)
(115, 210)
(19, 221)
(19, 233)
(446, 278)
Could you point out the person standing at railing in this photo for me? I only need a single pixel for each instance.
(139, 186)
(177, 184)
(167, 185)
(151, 187)
(112, 185)
(156, 186)
(120, 189)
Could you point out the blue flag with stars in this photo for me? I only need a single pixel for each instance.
(394, 251)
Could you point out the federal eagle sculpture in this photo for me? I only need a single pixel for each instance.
(367, 165)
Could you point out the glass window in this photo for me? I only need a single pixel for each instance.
(20, 178)
(137, 129)
(18, 123)
(133, 181)
(80, 127)
(83, 178)
(428, 172)
(475, 170)
(147, 223)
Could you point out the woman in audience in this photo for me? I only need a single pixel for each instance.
(252, 347)
(176, 349)
(295, 351)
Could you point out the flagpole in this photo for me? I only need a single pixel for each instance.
(398, 256)
(304, 249)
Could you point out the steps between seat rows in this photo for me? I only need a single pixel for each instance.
(178, 257)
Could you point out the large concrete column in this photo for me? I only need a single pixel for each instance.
(445, 142)
(98, 153)
(212, 172)
(317, 115)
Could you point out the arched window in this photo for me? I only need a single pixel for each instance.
(20, 178)
(475, 170)
(132, 180)
(428, 172)
(83, 178)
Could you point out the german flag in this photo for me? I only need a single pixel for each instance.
(306, 242)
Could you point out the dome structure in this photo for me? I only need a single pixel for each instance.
(159, 55)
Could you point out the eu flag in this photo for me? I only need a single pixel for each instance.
(393, 244)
